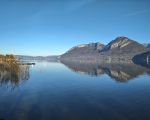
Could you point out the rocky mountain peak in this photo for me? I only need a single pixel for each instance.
(119, 42)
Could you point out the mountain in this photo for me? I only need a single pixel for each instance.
(121, 49)
(123, 44)
(83, 49)
(83, 52)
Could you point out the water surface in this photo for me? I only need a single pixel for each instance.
(75, 92)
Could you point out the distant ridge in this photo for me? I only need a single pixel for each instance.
(37, 58)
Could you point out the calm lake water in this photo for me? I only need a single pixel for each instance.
(55, 91)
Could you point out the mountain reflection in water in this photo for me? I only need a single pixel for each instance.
(13, 74)
(54, 92)
(119, 72)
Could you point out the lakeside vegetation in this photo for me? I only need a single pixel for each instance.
(12, 73)
(7, 58)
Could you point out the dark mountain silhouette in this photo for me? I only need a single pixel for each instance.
(122, 49)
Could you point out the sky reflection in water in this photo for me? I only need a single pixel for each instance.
(52, 91)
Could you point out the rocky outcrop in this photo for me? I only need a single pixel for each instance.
(122, 49)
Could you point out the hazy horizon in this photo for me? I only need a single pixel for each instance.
(42, 28)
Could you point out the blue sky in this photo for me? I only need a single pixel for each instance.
(49, 27)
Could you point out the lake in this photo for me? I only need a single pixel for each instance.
(68, 91)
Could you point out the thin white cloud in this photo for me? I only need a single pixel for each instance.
(138, 13)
